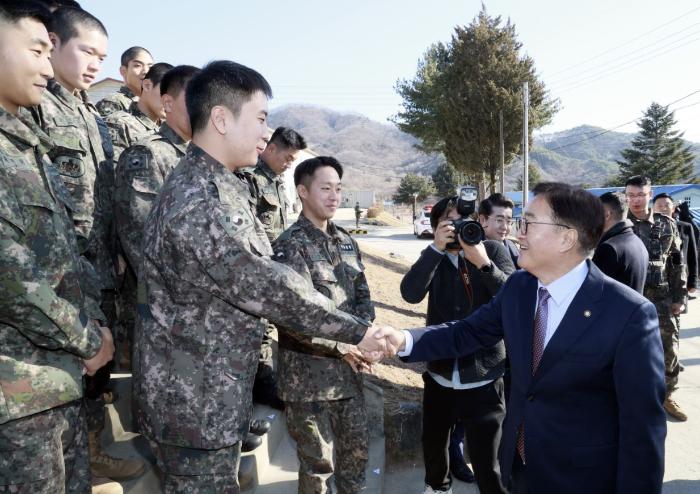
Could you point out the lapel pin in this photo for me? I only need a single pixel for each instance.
(586, 313)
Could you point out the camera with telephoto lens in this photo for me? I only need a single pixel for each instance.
(469, 230)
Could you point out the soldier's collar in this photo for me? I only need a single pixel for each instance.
(215, 170)
(145, 120)
(173, 137)
(22, 128)
(330, 233)
(127, 92)
(265, 168)
(62, 94)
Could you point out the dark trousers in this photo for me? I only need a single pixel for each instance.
(518, 479)
(481, 410)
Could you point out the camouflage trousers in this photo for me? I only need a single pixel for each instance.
(332, 444)
(46, 453)
(198, 471)
(670, 332)
(266, 364)
(126, 320)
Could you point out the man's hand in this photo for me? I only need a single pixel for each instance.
(394, 339)
(357, 361)
(677, 308)
(475, 254)
(370, 343)
(444, 234)
(121, 265)
(103, 356)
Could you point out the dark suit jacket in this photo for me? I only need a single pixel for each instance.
(622, 256)
(593, 412)
(689, 251)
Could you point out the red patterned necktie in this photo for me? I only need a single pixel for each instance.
(538, 336)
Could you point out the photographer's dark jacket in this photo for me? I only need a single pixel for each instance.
(435, 274)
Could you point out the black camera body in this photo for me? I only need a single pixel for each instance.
(470, 231)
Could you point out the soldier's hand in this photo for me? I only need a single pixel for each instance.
(121, 265)
(103, 356)
(677, 308)
(356, 360)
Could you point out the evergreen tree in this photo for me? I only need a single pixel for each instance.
(658, 151)
(414, 184)
(534, 176)
(447, 179)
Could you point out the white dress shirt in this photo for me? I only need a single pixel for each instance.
(561, 291)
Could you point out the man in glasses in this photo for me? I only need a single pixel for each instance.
(585, 412)
(666, 279)
(496, 217)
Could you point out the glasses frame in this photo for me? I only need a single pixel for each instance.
(524, 221)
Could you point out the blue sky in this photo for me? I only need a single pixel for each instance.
(606, 60)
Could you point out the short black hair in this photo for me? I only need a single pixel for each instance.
(132, 53)
(496, 200)
(440, 209)
(157, 71)
(13, 11)
(225, 83)
(616, 203)
(65, 21)
(576, 208)
(55, 4)
(638, 181)
(287, 138)
(305, 170)
(176, 79)
(662, 195)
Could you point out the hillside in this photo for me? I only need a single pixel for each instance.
(377, 155)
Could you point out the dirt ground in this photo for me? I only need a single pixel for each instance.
(401, 382)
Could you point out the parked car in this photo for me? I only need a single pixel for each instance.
(421, 225)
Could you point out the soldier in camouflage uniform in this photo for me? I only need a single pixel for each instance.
(135, 63)
(207, 285)
(82, 154)
(49, 332)
(665, 282)
(318, 379)
(140, 173)
(272, 206)
(143, 116)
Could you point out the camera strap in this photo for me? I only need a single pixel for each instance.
(464, 276)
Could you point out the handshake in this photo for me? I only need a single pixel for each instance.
(380, 342)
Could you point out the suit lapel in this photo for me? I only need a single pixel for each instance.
(581, 314)
(522, 337)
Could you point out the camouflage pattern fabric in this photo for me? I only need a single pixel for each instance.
(322, 428)
(85, 169)
(140, 174)
(312, 369)
(206, 283)
(198, 471)
(46, 326)
(119, 101)
(46, 453)
(127, 127)
(271, 202)
(665, 282)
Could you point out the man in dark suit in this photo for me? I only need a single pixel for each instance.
(585, 414)
(620, 253)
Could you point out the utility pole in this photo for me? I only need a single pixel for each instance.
(503, 160)
(526, 142)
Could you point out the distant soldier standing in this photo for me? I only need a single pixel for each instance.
(135, 63)
(319, 380)
(272, 206)
(143, 116)
(665, 281)
(358, 214)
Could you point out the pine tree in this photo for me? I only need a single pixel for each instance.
(447, 179)
(658, 151)
(414, 184)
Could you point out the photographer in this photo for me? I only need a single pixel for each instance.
(470, 389)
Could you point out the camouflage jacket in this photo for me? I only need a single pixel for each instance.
(82, 153)
(271, 202)
(665, 274)
(312, 369)
(45, 319)
(119, 101)
(206, 283)
(127, 127)
(140, 174)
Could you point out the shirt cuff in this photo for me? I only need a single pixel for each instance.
(408, 347)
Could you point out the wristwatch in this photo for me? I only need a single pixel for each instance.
(487, 268)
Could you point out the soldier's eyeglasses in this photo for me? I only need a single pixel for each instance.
(523, 223)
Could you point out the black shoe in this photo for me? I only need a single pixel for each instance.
(250, 442)
(259, 427)
(265, 393)
(461, 471)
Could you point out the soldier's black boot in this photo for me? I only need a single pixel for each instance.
(250, 442)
